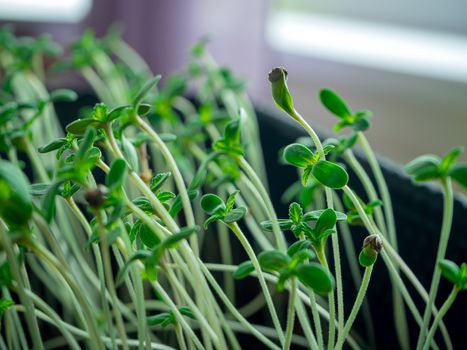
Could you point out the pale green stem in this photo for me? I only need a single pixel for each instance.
(179, 317)
(83, 334)
(58, 322)
(24, 298)
(233, 310)
(97, 85)
(442, 311)
(400, 318)
(180, 338)
(306, 327)
(290, 314)
(251, 254)
(403, 289)
(180, 183)
(356, 307)
(56, 265)
(249, 171)
(273, 279)
(109, 279)
(395, 256)
(442, 246)
(334, 240)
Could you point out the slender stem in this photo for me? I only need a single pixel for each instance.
(356, 307)
(332, 308)
(166, 298)
(334, 241)
(396, 258)
(180, 338)
(290, 314)
(187, 208)
(47, 257)
(442, 311)
(267, 201)
(251, 254)
(442, 246)
(306, 327)
(316, 319)
(399, 311)
(397, 280)
(24, 298)
(233, 310)
(109, 279)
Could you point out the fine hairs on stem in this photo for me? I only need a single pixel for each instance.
(130, 229)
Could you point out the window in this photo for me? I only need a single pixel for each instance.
(416, 37)
(69, 11)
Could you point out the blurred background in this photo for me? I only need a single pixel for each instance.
(404, 60)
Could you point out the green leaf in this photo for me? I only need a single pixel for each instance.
(5, 275)
(15, 199)
(63, 95)
(231, 201)
(100, 112)
(185, 311)
(172, 241)
(211, 219)
(334, 103)
(298, 155)
(424, 168)
(5, 304)
(38, 189)
(298, 246)
(459, 173)
(86, 143)
(361, 124)
(130, 154)
(449, 270)
(48, 203)
(52, 146)
(167, 137)
(234, 215)
(160, 319)
(327, 220)
(117, 112)
(325, 234)
(316, 277)
(284, 225)
(148, 86)
(315, 214)
(147, 236)
(177, 204)
(450, 158)
(306, 175)
(117, 174)
(79, 126)
(232, 132)
(330, 174)
(295, 213)
(302, 255)
(212, 203)
(143, 109)
(164, 196)
(273, 260)
(159, 180)
(243, 270)
(138, 255)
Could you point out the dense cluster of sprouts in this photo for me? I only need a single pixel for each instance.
(110, 226)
